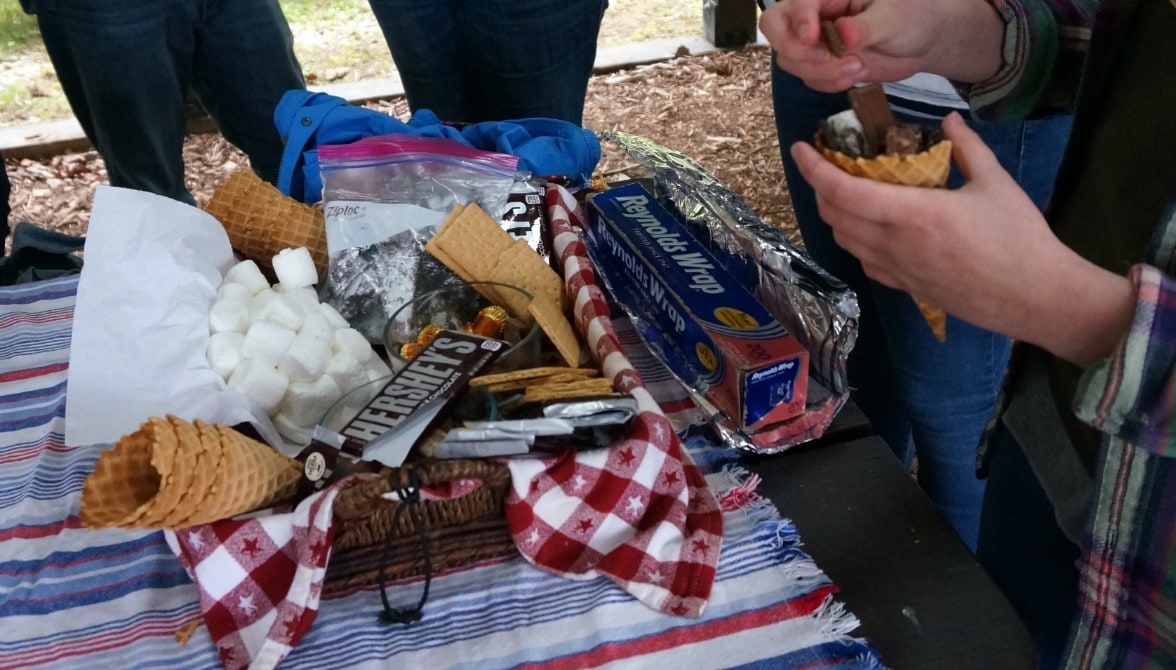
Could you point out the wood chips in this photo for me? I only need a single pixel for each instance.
(715, 108)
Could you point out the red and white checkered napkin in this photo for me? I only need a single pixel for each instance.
(260, 579)
(639, 513)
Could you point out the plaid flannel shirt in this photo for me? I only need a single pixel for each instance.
(1127, 585)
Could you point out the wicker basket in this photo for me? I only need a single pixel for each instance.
(460, 531)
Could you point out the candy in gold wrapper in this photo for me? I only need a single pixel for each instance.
(428, 333)
(409, 350)
(490, 322)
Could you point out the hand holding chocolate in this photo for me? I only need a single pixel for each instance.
(867, 141)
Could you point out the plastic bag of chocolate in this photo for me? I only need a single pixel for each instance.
(525, 216)
(820, 310)
(383, 199)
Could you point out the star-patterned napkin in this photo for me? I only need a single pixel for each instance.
(639, 513)
(260, 578)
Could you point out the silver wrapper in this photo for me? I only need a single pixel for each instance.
(819, 309)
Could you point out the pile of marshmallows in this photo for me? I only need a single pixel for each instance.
(283, 348)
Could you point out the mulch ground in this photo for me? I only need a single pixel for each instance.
(715, 108)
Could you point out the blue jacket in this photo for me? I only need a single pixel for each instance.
(306, 119)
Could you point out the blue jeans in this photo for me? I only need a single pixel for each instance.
(1026, 553)
(127, 66)
(922, 396)
(493, 60)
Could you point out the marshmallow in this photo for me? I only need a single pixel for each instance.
(260, 381)
(228, 316)
(316, 324)
(333, 316)
(306, 358)
(282, 310)
(224, 352)
(234, 291)
(267, 341)
(249, 275)
(291, 431)
(259, 301)
(354, 342)
(305, 403)
(347, 372)
(295, 267)
(303, 295)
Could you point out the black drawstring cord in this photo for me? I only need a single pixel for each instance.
(410, 498)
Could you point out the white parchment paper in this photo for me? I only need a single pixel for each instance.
(152, 267)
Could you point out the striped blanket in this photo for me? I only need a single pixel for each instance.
(72, 597)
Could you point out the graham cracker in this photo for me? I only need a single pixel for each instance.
(559, 331)
(521, 266)
(529, 373)
(545, 393)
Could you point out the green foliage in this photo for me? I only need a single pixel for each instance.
(312, 11)
(17, 29)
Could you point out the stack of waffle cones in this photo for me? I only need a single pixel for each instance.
(261, 221)
(928, 169)
(172, 474)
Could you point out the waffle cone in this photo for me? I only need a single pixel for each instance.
(123, 482)
(249, 476)
(928, 169)
(171, 474)
(205, 457)
(260, 221)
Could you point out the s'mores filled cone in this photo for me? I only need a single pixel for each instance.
(867, 141)
(171, 474)
(261, 221)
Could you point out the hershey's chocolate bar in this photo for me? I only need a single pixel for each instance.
(873, 111)
(441, 371)
(389, 426)
(832, 38)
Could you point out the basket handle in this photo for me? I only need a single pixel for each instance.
(410, 499)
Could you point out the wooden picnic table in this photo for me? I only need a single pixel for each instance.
(923, 599)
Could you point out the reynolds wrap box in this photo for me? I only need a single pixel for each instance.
(722, 340)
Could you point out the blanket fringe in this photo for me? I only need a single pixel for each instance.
(740, 496)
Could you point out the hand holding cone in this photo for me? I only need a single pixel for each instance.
(172, 474)
(928, 169)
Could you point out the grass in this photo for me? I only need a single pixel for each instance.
(333, 39)
(309, 12)
(17, 29)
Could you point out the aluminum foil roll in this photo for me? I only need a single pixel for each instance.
(819, 309)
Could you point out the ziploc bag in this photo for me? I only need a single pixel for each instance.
(819, 309)
(383, 198)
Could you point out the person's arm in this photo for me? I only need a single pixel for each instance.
(1044, 42)
(885, 40)
(1130, 393)
(1006, 61)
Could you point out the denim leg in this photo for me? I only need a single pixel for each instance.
(947, 390)
(425, 42)
(798, 109)
(243, 63)
(942, 392)
(123, 65)
(1025, 552)
(1030, 151)
(494, 60)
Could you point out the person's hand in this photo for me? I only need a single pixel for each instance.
(982, 252)
(885, 40)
